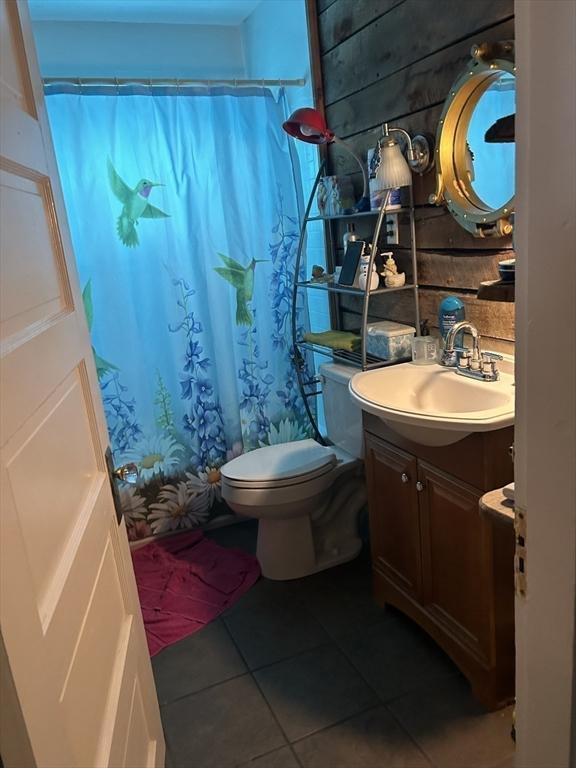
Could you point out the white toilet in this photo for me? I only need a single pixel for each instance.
(306, 496)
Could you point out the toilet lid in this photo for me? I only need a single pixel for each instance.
(280, 462)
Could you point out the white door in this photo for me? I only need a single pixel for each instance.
(545, 437)
(77, 687)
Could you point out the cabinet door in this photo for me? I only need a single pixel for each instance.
(394, 519)
(456, 558)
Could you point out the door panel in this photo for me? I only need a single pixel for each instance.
(30, 289)
(53, 486)
(456, 558)
(77, 664)
(394, 517)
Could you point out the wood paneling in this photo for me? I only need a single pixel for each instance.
(395, 60)
(494, 318)
(324, 4)
(416, 87)
(343, 19)
(410, 32)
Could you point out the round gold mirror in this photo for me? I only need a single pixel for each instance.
(475, 149)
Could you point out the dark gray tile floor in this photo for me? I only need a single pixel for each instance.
(312, 674)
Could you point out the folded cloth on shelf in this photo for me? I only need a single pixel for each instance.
(350, 342)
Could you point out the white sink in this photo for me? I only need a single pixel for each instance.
(433, 405)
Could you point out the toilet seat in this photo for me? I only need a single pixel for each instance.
(278, 466)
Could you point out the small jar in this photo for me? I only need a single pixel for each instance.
(424, 350)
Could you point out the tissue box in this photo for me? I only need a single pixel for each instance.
(389, 340)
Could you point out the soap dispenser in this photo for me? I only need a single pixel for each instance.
(451, 311)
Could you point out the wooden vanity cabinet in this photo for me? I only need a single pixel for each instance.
(436, 557)
(395, 526)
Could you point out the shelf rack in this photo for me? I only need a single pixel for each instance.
(326, 286)
(361, 359)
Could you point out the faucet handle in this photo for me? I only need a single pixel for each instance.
(491, 356)
(464, 358)
(450, 357)
(489, 370)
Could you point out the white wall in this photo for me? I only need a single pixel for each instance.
(276, 41)
(108, 49)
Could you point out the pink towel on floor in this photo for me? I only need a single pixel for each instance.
(185, 581)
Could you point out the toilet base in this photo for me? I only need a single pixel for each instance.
(285, 550)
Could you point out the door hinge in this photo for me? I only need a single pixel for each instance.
(521, 553)
(128, 473)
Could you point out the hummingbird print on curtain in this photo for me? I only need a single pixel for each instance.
(135, 205)
(241, 278)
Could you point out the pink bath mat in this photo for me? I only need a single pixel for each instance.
(186, 581)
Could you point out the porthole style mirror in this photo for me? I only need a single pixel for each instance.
(475, 147)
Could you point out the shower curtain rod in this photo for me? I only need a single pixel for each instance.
(114, 82)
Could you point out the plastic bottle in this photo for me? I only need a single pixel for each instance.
(451, 311)
(349, 235)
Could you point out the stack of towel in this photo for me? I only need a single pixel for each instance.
(350, 342)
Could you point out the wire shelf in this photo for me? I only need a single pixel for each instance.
(334, 288)
(352, 358)
(389, 211)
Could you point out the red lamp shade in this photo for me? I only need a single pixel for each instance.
(308, 125)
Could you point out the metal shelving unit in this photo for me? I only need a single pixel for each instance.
(361, 359)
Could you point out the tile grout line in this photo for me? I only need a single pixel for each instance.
(412, 738)
(417, 688)
(369, 623)
(382, 704)
(325, 644)
(203, 690)
(272, 713)
(334, 643)
(330, 644)
(326, 728)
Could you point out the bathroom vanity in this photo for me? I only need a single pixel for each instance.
(436, 557)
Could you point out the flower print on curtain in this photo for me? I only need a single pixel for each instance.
(189, 298)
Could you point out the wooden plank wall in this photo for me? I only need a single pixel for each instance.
(395, 61)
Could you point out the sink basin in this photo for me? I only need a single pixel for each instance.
(434, 405)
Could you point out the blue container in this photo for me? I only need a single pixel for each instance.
(451, 312)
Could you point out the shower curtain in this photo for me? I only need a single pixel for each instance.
(183, 212)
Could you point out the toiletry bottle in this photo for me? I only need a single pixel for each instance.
(451, 312)
(349, 235)
(363, 277)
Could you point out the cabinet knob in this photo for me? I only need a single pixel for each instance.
(405, 478)
(419, 486)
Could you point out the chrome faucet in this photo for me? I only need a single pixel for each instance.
(473, 363)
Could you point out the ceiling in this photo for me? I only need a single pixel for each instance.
(219, 12)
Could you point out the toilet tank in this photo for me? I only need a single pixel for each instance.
(343, 417)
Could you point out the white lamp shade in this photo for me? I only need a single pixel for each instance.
(393, 170)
